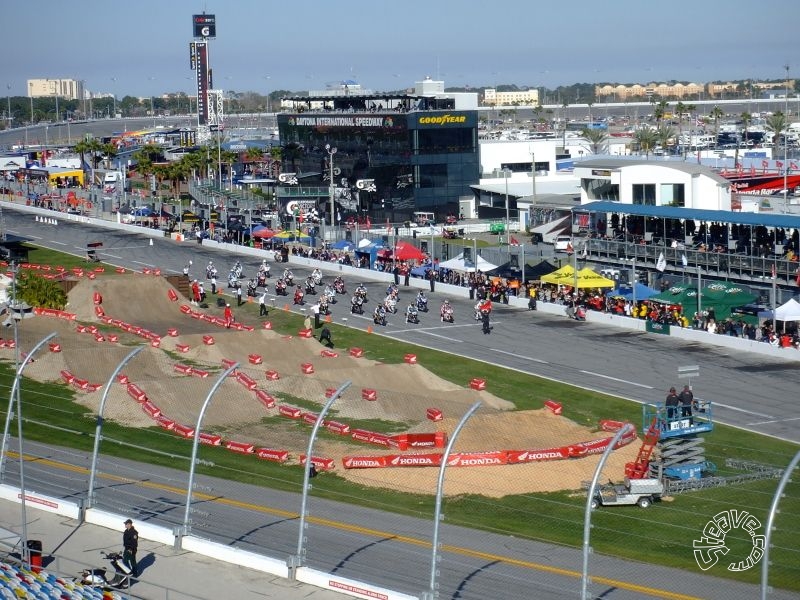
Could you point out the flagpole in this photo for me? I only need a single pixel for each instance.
(774, 296)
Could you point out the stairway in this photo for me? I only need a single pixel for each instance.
(640, 467)
(180, 283)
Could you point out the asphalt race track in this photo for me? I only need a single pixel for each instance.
(751, 391)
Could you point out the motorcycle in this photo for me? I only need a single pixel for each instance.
(316, 275)
(323, 306)
(356, 306)
(298, 296)
(101, 578)
(288, 277)
(211, 271)
(233, 281)
(446, 314)
(412, 316)
(280, 287)
(422, 304)
(329, 294)
(251, 288)
(379, 316)
(338, 286)
(262, 280)
(237, 270)
(390, 304)
(311, 288)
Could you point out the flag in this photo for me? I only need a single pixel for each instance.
(662, 263)
(793, 166)
(778, 164)
(684, 261)
(569, 248)
(774, 272)
(585, 249)
(514, 241)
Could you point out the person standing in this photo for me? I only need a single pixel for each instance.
(687, 401)
(262, 305)
(487, 328)
(238, 294)
(130, 544)
(315, 312)
(228, 316)
(672, 403)
(396, 273)
(325, 337)
(431, 274)
(406, 274)
(214, 285)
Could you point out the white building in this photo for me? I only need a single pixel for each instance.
(71, 89)
(652, 182)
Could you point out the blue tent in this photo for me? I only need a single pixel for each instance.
(421, 271)
(343, 245)
(142, 211)
(370, 251)
(624, 290)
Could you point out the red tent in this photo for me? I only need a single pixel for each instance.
(406, 251)
(263, 233)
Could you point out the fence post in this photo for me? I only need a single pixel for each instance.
(195, 443)
(587, 514)
(437, 515)
(15, 395)
(773, 510)
(98, 432)
(295, 561)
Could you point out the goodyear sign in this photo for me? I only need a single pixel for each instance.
(441, 119)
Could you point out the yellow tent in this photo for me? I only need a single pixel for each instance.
(589, 279)
(564, 276)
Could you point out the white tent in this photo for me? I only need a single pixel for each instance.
(460, 264)
(790, 311)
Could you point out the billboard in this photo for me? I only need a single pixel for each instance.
(204, 26)
(201, 70)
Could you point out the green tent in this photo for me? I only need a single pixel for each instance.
(724, 296)
(679, 294)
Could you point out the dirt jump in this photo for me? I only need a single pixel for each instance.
(399, 395)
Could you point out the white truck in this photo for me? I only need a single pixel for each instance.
(633, 491)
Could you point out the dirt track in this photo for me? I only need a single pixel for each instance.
(404, 393)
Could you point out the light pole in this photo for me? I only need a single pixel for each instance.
(506, 173)
(267, 78)
(331, 151)
(152, 106)
(30, 95)
(56, 90)
(8, 98)
(533, 185)
(786, 142)
(114, 97)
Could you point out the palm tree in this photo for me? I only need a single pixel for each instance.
(596, 137)
(716, 114)
(747, 118)
(660, 110)
(254, 155)
(645, 139)
(776, 123)
(663, 135)
(145, 158)
(680, 108)
(82, 148)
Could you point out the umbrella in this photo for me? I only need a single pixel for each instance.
(263, 233)
(364, 242)
(142, 211)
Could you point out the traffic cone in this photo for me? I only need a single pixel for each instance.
(151, 241)
(328, 319)
(286, 307)
(369, 328)
(250, 299)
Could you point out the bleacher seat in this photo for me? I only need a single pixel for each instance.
(17, 584)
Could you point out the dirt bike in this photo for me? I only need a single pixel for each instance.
(103, 578)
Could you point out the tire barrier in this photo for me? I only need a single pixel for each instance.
(309, 418)
(434, 414)
(97, 298)
(411, 359)
(135, 392)
(306, 333)
(182, 369)
(555, 407)
(172, 295)
(356, 352)
(247, 381)
(155, 343)
(227, 363)
(201, 373)
(55, 347)
(123, 379)
(8, 343)
(99, 312)
(210, 439)
(325, 353)
(172, 332)
(369, 394)
(370, 437)
(267, 324)
(243, 447)
(329, 392)
(67, 376)
(265, 398)
(610, 425)
(337, 427)
(151, 409)
(183, 348)
(208, 340)
(255, 359)
(184, 430)
(272, 375)
(477, 384)
(307, 368)
(166, 423)
(52, 312)
(290, 411)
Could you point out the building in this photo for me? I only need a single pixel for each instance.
(491, 97)
(388, 154)
(653, 183)
(69, 89)
(674, 89)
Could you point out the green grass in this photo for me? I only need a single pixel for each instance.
(662, 534)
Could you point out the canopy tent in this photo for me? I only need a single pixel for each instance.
(723, 296)
(370, 251)
(406, 251)
(679, 295)
(563, 276)
(589, 279)
(421, 271)
(263, 233)
(789, 311)
(459, 263)
(345, 245)
(625, 290)
(539, 270)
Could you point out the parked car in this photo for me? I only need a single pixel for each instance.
(563, 243)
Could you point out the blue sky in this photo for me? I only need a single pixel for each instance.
(141, 47)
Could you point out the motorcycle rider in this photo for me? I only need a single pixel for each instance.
(311, 286)
(298, 295)
(288, 276)
(338, 285)
(361, 292)
(280, 287)
(316, 275)
(211, 270)
(446, 312)
(379, 316)
(329, 293)
(323, 305)
(390, 303)
(411, 314)
(251, 288)
(357, 305)
(422, 301)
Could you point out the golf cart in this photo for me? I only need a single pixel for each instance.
(634, 491)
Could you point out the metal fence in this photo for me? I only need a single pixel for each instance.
(374, 525)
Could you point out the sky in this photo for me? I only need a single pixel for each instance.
(141, 48)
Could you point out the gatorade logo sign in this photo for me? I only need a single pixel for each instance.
(443, 120)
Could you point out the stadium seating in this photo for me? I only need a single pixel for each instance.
(16, 583)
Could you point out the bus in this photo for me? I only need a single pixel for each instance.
(55, 176)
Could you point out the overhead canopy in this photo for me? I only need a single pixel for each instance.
(790, 311)
(563, 276)
(720, 296)
(406, 251)
(459, 263)
(589, 279)
(625, 290)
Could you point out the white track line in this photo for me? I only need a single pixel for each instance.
(743, 410)
(641, 385)
(537, 360)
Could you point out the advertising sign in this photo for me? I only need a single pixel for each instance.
(201, 58)
(204, 26)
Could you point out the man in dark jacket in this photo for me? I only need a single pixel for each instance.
(130, 542)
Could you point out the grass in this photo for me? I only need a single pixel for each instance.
(662, 534)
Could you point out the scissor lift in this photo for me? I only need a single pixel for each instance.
(681, 454)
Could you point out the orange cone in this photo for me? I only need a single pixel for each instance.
(285, 307)
(328, 319)
(369, 328)
(250, 299)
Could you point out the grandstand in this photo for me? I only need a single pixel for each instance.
(16, 583)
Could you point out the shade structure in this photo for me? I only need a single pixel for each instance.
(263, 233)
(589, 279)
(345, 245)
(625, 290)
(459, 263)
(563, 276)
(406, 251)
(287, 235)
(789, 311)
